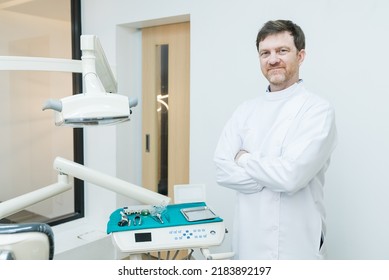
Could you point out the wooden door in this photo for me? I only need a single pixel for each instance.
(165, 106)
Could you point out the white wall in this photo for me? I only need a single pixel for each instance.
(346, 63)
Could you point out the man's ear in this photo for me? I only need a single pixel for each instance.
(301, 56)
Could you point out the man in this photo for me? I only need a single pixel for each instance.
(274, 151)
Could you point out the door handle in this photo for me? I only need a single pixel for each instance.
(147, 143)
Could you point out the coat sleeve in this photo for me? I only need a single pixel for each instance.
(306, 152)
(228, 173)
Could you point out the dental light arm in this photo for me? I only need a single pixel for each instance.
(95, 64)
(69, 168)
(109, 182)
(99, 104)
(40, 64)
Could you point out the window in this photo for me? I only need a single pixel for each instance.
(30, 141)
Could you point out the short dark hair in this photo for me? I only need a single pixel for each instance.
(277, 26)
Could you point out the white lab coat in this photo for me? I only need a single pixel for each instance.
(290, 136)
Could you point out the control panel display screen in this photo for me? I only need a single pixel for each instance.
(143, 237)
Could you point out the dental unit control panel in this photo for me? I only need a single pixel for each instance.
(177, 226)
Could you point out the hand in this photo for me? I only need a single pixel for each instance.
(239, 154)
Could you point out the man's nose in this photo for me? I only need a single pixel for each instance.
(273, 58)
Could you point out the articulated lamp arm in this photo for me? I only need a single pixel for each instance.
(109, 182)
(25, 63)
(100, 104)
(69, 168)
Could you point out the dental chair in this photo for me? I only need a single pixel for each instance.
(33, 241)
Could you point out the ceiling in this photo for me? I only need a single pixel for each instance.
(53, 9)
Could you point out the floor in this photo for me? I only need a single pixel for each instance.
(23, 216)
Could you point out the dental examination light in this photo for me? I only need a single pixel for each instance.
(99, 104)
(68, 168)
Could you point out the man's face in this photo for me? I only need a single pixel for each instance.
(280, 60)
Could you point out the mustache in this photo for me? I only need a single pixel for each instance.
(275, 68)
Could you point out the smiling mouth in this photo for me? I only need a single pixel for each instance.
(276, 71)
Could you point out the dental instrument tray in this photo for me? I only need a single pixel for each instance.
(199, 213)
(172, 217)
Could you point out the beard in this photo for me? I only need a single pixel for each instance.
(276, 76)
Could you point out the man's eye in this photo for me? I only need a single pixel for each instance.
(283, 51)
(264, 54)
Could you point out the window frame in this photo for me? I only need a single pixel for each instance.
(78, 133)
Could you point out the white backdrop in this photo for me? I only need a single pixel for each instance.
(346, 63)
